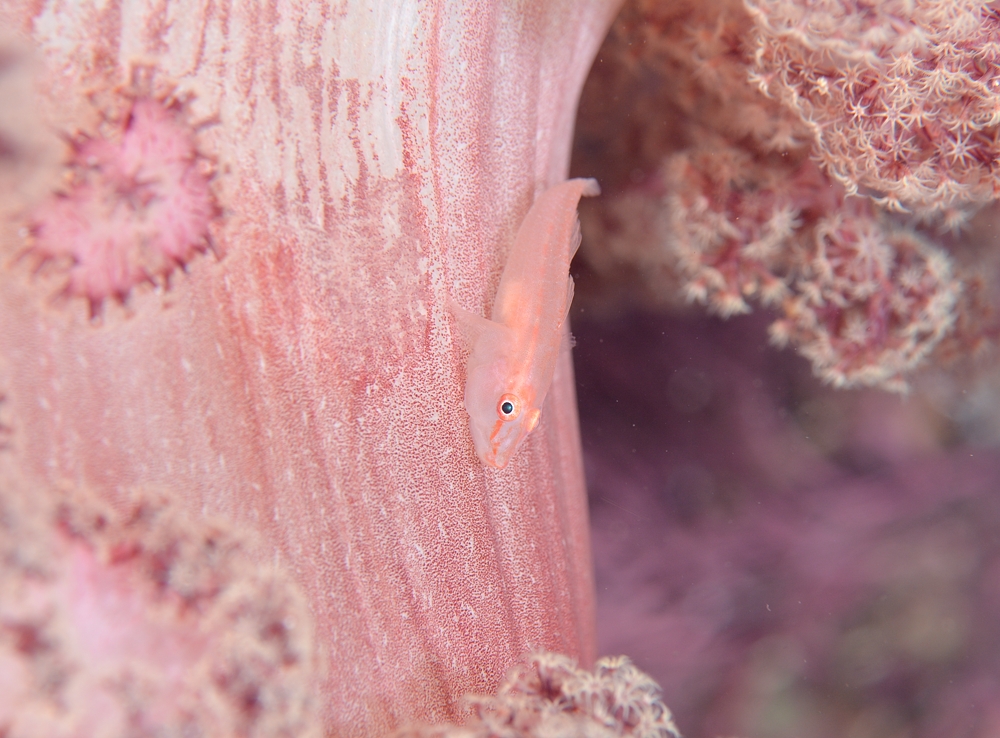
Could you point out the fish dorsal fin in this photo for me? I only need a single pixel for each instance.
(570, 288)
(575, 239)
(588, 188)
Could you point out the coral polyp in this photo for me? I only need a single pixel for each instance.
(825, 159)
(547, 694)
(902, 97)
(728, 219)
(871, 302)
(135, 206)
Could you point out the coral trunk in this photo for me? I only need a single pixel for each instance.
(299, 376)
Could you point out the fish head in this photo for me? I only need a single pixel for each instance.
(501, 412)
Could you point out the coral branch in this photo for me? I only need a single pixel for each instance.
(309, 385)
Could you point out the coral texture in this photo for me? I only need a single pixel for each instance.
(774, 189)
(550, 696)
(136, 204)
(903, 98)
(144, 622)
(870, 302)
(373, 161)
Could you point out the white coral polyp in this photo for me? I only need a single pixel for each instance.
(902, 97)
(873, 301)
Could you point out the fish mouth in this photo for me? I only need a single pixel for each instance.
(501, 457)
(505, 439)
(496, 448)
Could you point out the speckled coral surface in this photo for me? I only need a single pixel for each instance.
(373, 159)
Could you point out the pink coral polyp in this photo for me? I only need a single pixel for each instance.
(137, 205)
(902, 97)
(871, 302)
(549, 695)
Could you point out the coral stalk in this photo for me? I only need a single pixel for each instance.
(373, 160)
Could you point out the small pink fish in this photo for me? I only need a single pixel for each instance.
(514, 353)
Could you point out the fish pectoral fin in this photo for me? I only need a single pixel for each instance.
(576, 239)
(570, 287)
(567, 341)
(532, 420)
(590, 188)
(470, 325)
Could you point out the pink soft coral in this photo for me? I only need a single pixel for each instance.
(145, 621)
(308, 385)
(903, 98)
(549, 695)
(750, 202)
(135, 206)
(871, 300)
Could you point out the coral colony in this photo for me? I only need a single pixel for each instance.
(97, 610)
(549, 695)
(134, 207)
(276, 388)
(822, 152)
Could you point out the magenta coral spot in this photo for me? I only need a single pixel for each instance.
(137, 205)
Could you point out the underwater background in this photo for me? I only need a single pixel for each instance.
(796, 525)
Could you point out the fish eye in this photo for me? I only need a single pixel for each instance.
(508, 407)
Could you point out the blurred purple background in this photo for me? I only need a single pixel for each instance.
(787, 559)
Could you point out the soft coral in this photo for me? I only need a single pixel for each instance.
(136, 204)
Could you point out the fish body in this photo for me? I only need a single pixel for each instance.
(514, 352)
